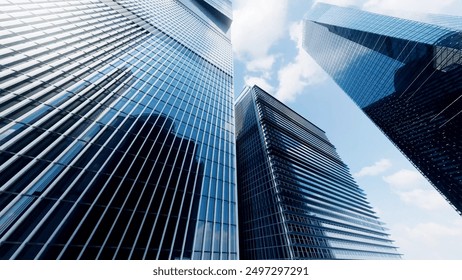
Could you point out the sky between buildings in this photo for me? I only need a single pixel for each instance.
(266, 38)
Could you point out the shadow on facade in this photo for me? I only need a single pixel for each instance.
(136, 193)
(145, 199)
(422, 119)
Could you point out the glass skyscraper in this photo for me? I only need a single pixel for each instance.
(117, 130)
(406, 75)
(297, 199)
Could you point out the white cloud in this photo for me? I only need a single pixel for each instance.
(404, 179)
(259, 81)
(256, 26)
(430, 231)
(375, 169)
(426, 199)
(413, 189)
(262, 64)
(303, 71)
(429, 240)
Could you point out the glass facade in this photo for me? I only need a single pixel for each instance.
(116, 130)
(297, 199)
(406, 76)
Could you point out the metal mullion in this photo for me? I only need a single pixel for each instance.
(56, 30)
(54, 112)
(163, 168)
(195, 179)
(31, 208)
(66, 215)
(187, 180)
(93, 110)
(136, 206)
(45, 171)
(206, 144)
(90, 183)
(453, 117)
(44, 91)
(103, 186)
(40, 8)
(171, 205)
(201, 142)
(84, 43)
(65, 193)
(72, 34)
(144, 218)
(202, 121)
(233, 178)
(342, 206)
(55, 55)
(79, 51)
(362, 38)
(176, 74)
(225, 154)
(437, 115)
(221, 163)
(216, 186)
(162, 145)
(33, 18)
(325, 182)
(204, 118)
(307, 147)
(120, 184)
(322, 185)
(47, 47)
(215, 146)
(87, 57)
(67, 27)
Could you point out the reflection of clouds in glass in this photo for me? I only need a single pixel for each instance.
(413, 9)
(355, 71)
(446, 58)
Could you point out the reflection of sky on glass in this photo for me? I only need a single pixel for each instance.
(376, 23)
(357, 71)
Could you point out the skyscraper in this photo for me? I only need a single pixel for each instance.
(406, 76)
(297, 199)
(117, 130)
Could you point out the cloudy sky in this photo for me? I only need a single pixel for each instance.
(266, 38)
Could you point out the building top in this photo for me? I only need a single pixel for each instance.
(429, 30)
(206, 35)
(223, 6)
(267, 96)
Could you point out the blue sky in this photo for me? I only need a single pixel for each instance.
(266, 38)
